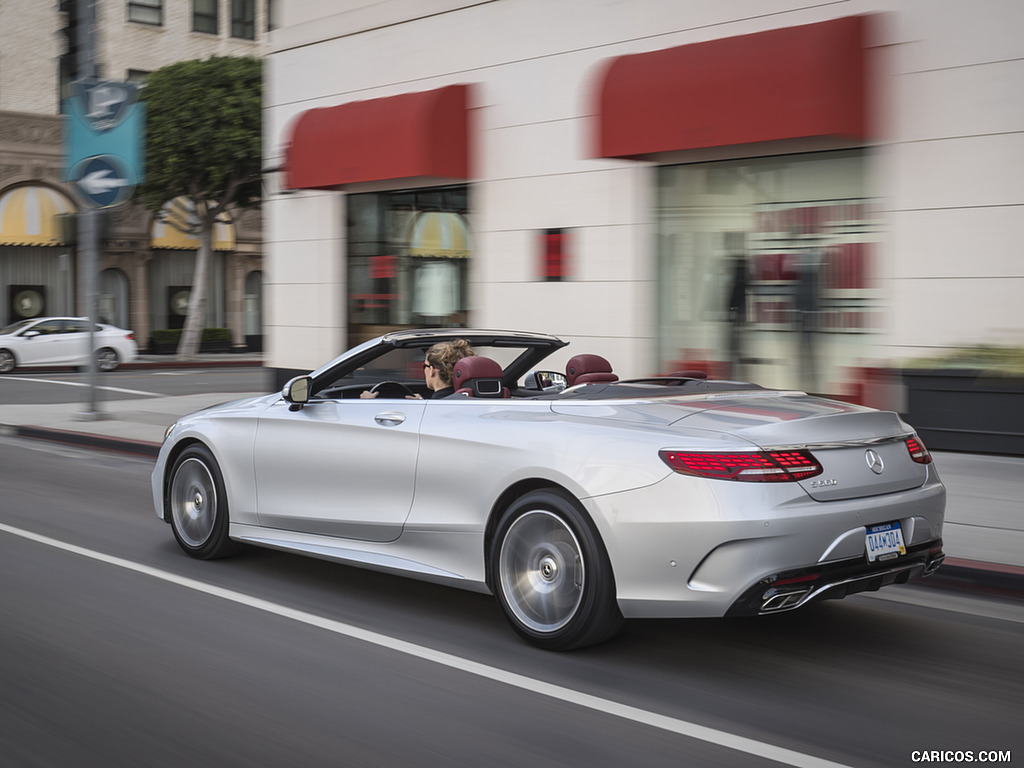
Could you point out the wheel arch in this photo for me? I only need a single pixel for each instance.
(13, 354)
(506, 499)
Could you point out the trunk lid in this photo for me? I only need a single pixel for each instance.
(862, 451)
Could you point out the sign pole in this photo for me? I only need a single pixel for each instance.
(88, 231)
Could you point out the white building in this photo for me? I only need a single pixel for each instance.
(144, 265)
(782, 191)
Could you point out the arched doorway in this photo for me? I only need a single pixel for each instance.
(112, 302)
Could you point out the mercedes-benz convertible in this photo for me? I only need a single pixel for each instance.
(575, 497)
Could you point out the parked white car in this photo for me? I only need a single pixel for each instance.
(58, 341)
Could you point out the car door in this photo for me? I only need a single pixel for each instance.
(75, 343)
(344, 468)
(41, 343)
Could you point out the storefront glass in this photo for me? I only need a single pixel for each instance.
(408, 256)
(766, 269)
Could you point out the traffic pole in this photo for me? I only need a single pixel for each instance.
(88, 231)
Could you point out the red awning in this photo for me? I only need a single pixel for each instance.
(413, 135)
(806, 81)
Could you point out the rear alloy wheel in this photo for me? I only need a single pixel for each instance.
(7, 361)
(107, 359)
(198, 505)
(551, 573)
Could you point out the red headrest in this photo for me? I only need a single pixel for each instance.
(584, 369)
(479, 377)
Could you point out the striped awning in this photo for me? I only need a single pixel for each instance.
(180, 214)
(441, 235)
(28, 215)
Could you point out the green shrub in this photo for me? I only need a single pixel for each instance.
(1004, 361)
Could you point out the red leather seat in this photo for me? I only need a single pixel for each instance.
(587, 369)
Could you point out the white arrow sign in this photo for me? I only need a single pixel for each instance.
(98, 182)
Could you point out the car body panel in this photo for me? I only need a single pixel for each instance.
(416, 486)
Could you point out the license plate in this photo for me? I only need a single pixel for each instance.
(885, 542)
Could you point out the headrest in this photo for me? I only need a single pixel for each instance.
(584, 369)
(478, 377)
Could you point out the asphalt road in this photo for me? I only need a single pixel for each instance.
(118, 650)
(67, 386)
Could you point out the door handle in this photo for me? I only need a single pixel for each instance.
(389, 418)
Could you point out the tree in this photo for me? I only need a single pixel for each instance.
(203, 132)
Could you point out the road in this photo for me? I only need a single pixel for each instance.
(118, 650)
(65, 386)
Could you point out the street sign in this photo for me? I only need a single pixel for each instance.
(104, 181)
(103, 141)
(103, 104)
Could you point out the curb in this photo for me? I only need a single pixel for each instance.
(85, 439)
(991, 579)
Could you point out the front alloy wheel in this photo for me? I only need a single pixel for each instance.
(198, 505)
(7, 361)
(551, 573)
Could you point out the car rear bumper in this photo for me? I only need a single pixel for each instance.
(789, 590)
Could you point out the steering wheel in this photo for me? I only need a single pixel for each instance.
(389, 388)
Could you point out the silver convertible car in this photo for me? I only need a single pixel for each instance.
(576, 498)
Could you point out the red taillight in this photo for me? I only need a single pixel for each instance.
(918, 452)
(130, 337)
(761, 467)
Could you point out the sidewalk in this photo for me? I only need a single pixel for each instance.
(983, 536)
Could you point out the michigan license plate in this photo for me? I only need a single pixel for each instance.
(885, 541)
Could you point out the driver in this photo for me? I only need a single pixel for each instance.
(437, 368)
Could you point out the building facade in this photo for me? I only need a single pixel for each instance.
(145, 267)
(788, 194)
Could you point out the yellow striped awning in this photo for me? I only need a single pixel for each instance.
(442, 235)
(180, 213)
(28, 215)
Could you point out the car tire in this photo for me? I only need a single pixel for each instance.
(107, 359)
(7, 361)
(551, 574)
(197, 505)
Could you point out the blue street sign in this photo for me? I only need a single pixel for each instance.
(104, 181)
(106, 125)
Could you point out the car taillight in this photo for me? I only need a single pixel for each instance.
(130, 337)
(752, 467)
(918, 452)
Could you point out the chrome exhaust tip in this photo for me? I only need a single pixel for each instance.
(773, 600)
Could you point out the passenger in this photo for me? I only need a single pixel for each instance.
(438, 364)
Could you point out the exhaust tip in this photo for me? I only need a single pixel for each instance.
(774, 600)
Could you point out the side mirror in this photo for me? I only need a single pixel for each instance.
(31, 334)
(296, 392)
(545, 381)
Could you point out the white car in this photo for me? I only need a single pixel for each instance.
(44, 341)
(576, 499)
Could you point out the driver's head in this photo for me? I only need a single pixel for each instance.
(443, 356)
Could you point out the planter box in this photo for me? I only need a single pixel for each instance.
(969, 411)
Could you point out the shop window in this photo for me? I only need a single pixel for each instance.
(204, 16)
(766, 268)
(408, 254)
(146, 11)
(554, 255)
(243, 19)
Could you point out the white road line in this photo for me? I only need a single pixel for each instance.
(595, 703)
(84, 384)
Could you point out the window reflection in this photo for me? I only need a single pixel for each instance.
(767, 268)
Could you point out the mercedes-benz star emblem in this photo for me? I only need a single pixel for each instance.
(874, 461)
